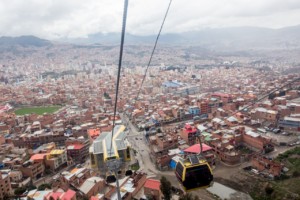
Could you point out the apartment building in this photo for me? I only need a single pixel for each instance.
(38, 138)
(78, 149)
(188, 134)
(257, 142)
(56, 158)
(5, 187)
(32, 169)
(264, 114)
(290, 124)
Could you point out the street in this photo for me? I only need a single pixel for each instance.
(138, 142)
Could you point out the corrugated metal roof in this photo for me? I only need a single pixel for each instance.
(57, 152)
(104, 141)
(89, 184)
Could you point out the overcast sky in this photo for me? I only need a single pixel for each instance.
(52, 19)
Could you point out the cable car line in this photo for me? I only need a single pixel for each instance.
(263, 97)
(153, 50)
(151, 56)
(114, 164)
(193, 173)
(119, 69)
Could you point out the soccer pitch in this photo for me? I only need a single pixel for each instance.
(37, 110)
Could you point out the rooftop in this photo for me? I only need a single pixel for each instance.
(152, 184)
(103, 143)
(196, 148)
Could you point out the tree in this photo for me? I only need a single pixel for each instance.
(20, 191)
(165, 187)
(149, 197)
(44, 186)
(31, 187)
(269, 190)
(188, 196)
(296, 174)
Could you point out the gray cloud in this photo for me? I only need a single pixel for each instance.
(77, 18)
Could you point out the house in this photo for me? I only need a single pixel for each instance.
(57, 194)
(152, 188)
(32, 169)
(188, 134)
(262, 163)
(207, 152)
(92, 186)
(56, 158)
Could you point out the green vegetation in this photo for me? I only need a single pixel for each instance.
(188, 196)
(288, 185)
(291, 159)
(106, 96)
(19, 191)
(44, 186)
(135, 166)
(37, 110)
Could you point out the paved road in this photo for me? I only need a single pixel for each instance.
(278, 150)
(139, 143)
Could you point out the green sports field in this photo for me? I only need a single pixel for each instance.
(37, 110)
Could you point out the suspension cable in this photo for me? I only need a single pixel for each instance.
(151, 56)
(119, 69)
(153, 50)
(248, 106)
(263, 97)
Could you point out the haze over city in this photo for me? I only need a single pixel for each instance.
(74, 18)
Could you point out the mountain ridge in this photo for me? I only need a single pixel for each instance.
(213, 38)
(24, 40)
(230, 38)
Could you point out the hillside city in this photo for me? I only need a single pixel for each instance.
(56, 122)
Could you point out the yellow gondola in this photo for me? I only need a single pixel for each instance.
(110, 178)
(193, 173)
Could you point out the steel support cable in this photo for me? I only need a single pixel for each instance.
(119, 69)
(151, 56)
(264, 96)
(153, 50)
(248, 106)
(251, 104)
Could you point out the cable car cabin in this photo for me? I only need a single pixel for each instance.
(111, 178)
(194, 173)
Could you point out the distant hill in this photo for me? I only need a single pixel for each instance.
(235, 38)
(218, 39)
(24, 41)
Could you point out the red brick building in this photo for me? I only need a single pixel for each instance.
(152, 188)
(263, 164)
(188, 134)
(254, 140)
(78, 149)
